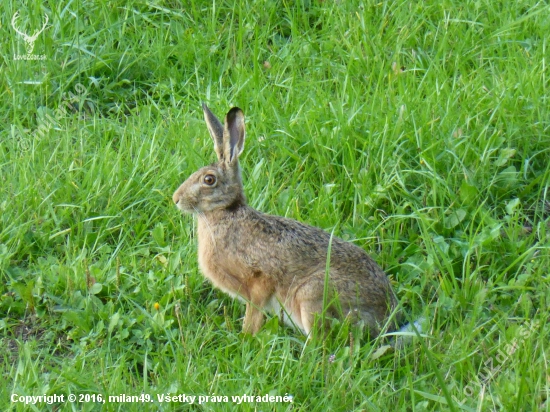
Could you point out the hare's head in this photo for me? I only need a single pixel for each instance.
(219, 185)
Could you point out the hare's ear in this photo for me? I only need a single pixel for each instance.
(216, 130)
(233, 135)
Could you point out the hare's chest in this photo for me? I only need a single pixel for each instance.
(220, 269)
(209, 263)
(213, 256)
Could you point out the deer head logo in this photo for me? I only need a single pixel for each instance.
(29, 40)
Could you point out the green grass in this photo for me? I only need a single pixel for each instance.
(419, 131)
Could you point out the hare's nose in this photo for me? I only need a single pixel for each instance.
(176, 198)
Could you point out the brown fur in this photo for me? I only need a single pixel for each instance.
(272, 263)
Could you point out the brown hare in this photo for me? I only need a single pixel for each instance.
(274, 264)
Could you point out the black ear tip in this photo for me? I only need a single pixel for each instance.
(204, 106)
(234, 113)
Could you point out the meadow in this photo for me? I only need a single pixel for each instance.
(420, 131)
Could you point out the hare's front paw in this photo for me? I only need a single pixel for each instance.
(253, 319)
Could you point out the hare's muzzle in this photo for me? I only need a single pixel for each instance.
(181, 201)
(176, 197)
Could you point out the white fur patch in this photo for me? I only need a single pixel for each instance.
(274, 307)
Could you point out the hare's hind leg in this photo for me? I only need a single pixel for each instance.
(309, 302)
(308, 309)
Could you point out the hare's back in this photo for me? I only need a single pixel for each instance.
(310, 245)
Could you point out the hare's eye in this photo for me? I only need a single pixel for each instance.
(209, 180)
